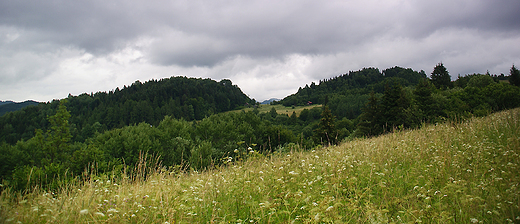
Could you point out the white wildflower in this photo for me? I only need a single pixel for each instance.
(112, 210)
(293, 173)
(99, 214)
(473, 220)
(83, 212)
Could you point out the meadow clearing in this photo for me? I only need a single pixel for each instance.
(280, 109)
(463, 172)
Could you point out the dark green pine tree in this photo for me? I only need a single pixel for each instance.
(59, 135)
(394, 105)
(326, 132)
(370, 119)
(440, 77)
(425, 102)
(273, 113)
(514, 77)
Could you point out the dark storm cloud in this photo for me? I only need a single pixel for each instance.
(245, 28)
(255, 28)
(252, 40)
(425, 17)
(97, 26)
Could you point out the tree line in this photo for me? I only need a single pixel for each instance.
(83, 132)
(178, 97)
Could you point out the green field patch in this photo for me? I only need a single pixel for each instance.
(280, 109)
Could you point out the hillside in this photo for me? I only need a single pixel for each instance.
(180, 122)
(178, 97)
(9, 106)
(445, 173)
(5, 102)
(348, 93)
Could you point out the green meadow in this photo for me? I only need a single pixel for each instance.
(280, 109)
(453, 172)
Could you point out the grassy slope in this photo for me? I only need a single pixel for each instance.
(280, 109)
(448, 173)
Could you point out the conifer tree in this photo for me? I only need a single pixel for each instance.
(393, 107)
(370, 119)
(59, 135)
(273, 113)
(514, 77)
(326, 131)
(425, 102)
(440, 77)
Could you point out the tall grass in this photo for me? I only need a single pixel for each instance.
(447, 173)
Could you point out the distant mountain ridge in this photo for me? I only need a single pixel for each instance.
(10, 106)
(5, 102)
(269, 101)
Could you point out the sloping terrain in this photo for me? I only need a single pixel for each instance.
(445, 173)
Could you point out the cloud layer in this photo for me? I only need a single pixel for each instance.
(49, 49)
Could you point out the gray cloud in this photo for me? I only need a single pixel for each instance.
(251, 40)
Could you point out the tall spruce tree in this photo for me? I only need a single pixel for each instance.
(59, 135)
(394, 105)
(370, 119)
(326, 132)
(440, 77)
(425, 102)
(514, 77)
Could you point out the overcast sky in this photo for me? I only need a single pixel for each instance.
(51, 48)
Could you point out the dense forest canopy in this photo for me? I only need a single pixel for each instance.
(8, 106)
(347, 94)
(179, 121)
(178, 97)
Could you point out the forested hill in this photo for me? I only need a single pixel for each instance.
(347, 94)
(178, 97)
(8, 106)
